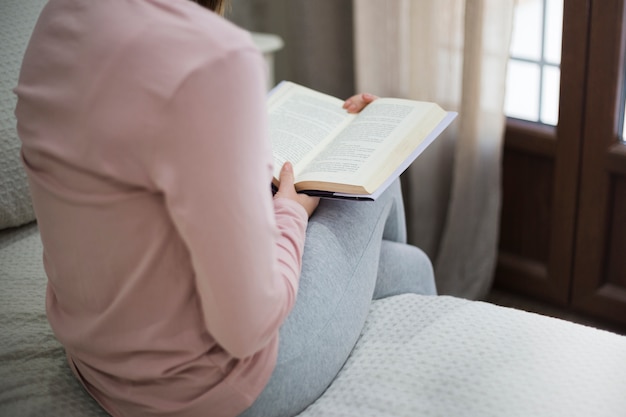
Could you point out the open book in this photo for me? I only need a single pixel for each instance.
(342, 155)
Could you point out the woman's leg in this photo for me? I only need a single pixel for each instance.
(403, 269)
(340, 266)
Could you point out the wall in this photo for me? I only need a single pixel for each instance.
(318, 38)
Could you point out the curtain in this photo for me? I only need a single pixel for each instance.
(453, 52)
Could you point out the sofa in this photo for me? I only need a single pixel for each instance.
(416, 356)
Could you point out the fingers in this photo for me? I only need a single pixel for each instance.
(286, 178)
(358, 102)
(286, 189)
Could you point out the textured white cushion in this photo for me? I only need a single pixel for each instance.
(17, 19)
(443, 356)
(417, 356)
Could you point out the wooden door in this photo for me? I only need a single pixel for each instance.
(563, 220)
(540, 176)
(599, 279)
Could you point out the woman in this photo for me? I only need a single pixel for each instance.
(172, 272)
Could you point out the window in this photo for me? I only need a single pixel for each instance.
(534, 66)
(563, 217)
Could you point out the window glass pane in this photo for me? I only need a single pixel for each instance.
(550, 95)
(522, 94)
(554, 30)
(527, 29)
(535, 57)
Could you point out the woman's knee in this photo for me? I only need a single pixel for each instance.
(404, 269)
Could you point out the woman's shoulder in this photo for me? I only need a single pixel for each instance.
(178, 37)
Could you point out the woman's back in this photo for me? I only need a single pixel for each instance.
(126, 114)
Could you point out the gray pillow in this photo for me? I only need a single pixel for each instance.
(17, 19)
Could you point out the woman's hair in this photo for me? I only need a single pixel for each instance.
(217, 6)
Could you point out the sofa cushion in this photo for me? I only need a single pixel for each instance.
(34, 377)
(17, 20)
(417, 356)
(444, 356)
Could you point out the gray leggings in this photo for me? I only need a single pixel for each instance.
(354, 252)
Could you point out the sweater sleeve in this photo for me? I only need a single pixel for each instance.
(213, 165)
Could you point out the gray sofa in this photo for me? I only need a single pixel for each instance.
(417, 355)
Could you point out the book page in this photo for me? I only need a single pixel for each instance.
(301, 122)
(378, 126)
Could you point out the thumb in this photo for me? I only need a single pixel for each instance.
(368, 98)
(286, 177)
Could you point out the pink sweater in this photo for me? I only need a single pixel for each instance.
(170, 268)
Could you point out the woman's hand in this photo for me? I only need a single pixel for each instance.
(358, 102)
(286, 189)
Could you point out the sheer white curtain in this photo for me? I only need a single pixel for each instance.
(453, 52)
